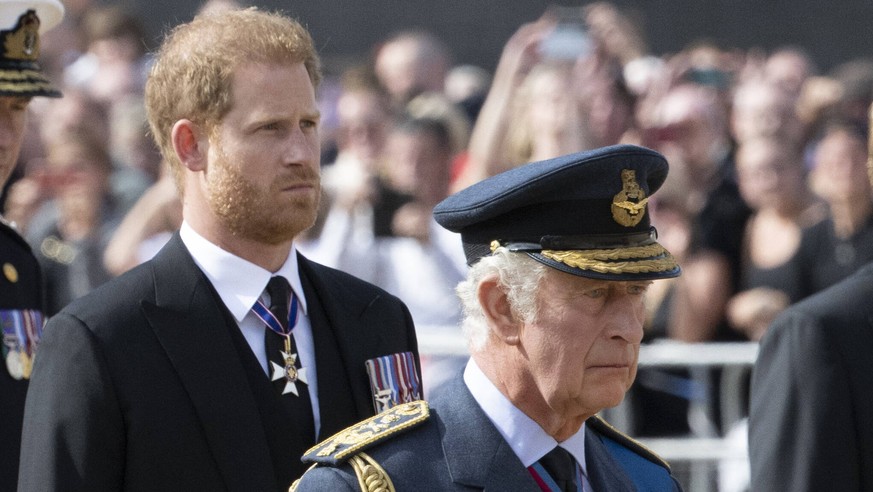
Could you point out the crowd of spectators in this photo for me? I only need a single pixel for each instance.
(767, 200)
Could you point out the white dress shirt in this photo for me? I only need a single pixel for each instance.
(525, 437)
(240, 284)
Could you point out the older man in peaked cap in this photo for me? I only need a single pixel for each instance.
(21, 295)
(561, 253)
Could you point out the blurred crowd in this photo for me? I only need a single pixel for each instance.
(767, 201)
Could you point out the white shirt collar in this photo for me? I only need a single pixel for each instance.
(526, 438)
(238, 282)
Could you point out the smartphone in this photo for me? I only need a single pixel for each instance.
(569, 40)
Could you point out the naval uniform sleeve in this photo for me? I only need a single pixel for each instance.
(800, 432)
(73, 436)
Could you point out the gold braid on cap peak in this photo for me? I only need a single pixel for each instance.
(606, 260)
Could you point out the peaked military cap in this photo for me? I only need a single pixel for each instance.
(584, 213)
(21, 24)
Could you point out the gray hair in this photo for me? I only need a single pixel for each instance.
(518, 274)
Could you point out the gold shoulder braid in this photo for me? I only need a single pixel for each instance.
(371, 476)
(348, 445)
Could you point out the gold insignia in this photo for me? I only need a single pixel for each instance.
(629, 204)
(10, 272)
(494, 245)
(22, 42)
(363, 434)
(26, 365)
(641, 259)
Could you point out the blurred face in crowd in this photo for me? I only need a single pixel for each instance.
(551, 106)
(690, 122)
(75, 167)
(363, 122)
(409, 65)
(418, 165)
(840, 167)
(262, 178)
(610, 115)
(768, 171)
(763, 110)
(788, 69)
(13, 117)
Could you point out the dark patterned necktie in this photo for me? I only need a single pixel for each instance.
(300, 407)
(562, 468)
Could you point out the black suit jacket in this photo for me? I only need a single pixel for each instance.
(141, 386)
(811, 415)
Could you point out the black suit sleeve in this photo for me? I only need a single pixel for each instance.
(801, 435)
(73, 437)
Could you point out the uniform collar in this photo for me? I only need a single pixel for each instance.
(526, 438)
(238, 282)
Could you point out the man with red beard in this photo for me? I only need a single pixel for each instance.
(216, 364)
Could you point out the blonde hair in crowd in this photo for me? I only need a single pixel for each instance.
(192, 73)
(518, 275)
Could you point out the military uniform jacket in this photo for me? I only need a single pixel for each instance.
(143, 384)
(811, 412)
(20, 288)
(458, 448)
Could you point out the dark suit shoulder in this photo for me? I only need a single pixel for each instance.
(111, 309)
(854, 291)
(352, 286)
(606, 430)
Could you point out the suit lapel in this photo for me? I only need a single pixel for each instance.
(343, 314)
(604, 473)
(191, 325)
(476, 453)
(335, 401)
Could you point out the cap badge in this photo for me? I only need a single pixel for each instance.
(22, 42)
(629, 204)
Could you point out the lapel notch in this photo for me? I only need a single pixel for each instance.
(192, 326)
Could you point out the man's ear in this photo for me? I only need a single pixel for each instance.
(498, 312)
(190, 144)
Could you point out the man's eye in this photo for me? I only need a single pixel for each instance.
(596, 293)
(637, 289)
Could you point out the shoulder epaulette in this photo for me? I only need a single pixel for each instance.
(611, 432)
(347, 443)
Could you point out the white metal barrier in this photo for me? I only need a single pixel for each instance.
(444, 341)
